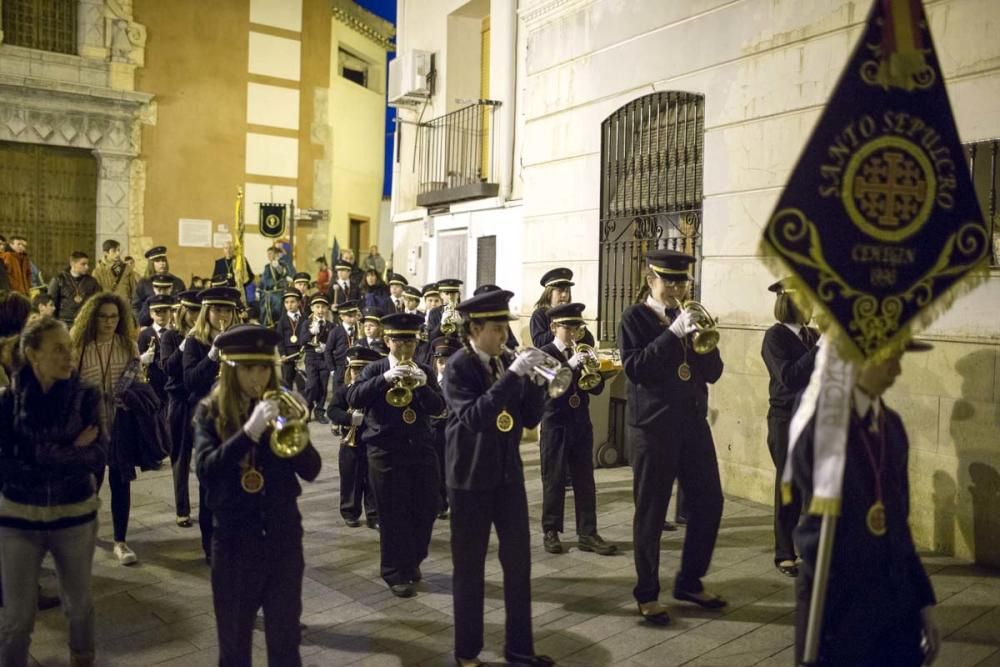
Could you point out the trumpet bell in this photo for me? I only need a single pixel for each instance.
(706, 338)
(589, 380)
(705, 341)
(399, 397)
(289, 431)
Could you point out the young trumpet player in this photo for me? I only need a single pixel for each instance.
(313, 332)
(667, 387)
(200, 362)
(290, 345)
(161, 308)
(491, 396)
(257, 551)
(399, 396)
(355, 492)
(567, 438)
(340, 338)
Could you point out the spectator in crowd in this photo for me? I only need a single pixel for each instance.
(374, 292)
(43, 305)
(3, 244)
(52, 441)
(275, 280)
(14, 312)
(113, 273)
(374, 261)
(18, 265)
(104, 344)
(37, 280)
(226, 266)
(130, 262)
(72, 287)
(322, 275)
(347, 257)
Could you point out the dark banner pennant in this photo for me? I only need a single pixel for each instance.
(879, 223)
(272, 220)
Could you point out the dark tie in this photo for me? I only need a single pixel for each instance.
(672, 313)
(805, 336)
(569, 353)
(497, 367)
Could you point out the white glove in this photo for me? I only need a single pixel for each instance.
(526, 360)
(576, 360)
(683, 324)
(420, 376)
(213, 354)
(314, 328)
(357, 417)
(146, 358)
(321, 348)
(395, 373)
(263, 414)
(181, 347)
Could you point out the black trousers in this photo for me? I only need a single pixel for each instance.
(785, 516)
(244, 581)
(288, 374)
(439, 444)
(406, 498)
(181, 449)
(563, 447)
(121, 500)
(355, 492)
(473, 514)
(681, 448)
(317, 376)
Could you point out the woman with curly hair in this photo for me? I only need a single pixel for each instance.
(104, 341)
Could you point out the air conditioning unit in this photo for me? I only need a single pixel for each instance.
(409, 78)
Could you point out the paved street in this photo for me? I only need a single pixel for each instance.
(160, 611)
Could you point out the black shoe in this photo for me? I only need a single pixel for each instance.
(680, 520)
(372, 523)
(552, 543)
(469, 662)
(320, 417)
(416, 576)
(443, 514)
(596, 544)
(528, 660)
(702, 599)
(47, 601)
(403, 590)
(788, 568)
(654, 613)
(669, 526)
(352, 523)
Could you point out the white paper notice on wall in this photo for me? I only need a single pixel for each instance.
(221, 238)
(194, 233)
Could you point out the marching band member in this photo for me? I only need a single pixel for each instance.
(158, 265)
(290, 345)
(313, 332)
(163, 285)
(667, 425)
(396, 285)
(178, 408)
(789, 352)
(490, 401)
(342, 289)
(511, 338)
(450, 291)
(432, 297)
(879, 606)
(401, 460)
(355, 491)
(161, 310)
(558, 284)
(201, 369)
(371, 327)
(302, 281)
(443, 347)
(411, 300)
(257, 553)
(340, 338)
(567, 440)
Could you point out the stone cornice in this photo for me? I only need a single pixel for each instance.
(362, 21)
(538, 13)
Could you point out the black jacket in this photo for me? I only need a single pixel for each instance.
(338, 410)
(651, 355)
(286, 330)
(337, 295)
(876, 583)
(155, 372)
(38, 463)
(478, 456)
(385, 430)
(335, 354)
(172, 364)
(790, 364)
(64, 288)
(560, 410)
(200, 372)
(144, 290)
(219, 464)
(310, 342)
(139, 437)
(224, 267)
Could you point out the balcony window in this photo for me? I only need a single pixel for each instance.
(457, 156)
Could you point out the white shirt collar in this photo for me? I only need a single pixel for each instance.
(658, 308)
(347, 327)
(561, 346)
(483, 357)
(862, 402)
(794, 327)
(393, 361)
(157, 328)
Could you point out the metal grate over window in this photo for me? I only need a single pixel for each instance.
(652, 159)
(982, 156)
(47, 25)
(486, 260)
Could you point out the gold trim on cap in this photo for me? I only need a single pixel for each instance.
(400, 332)
(491, 313)
(558, 320)
(670, 272)
(247, 356)
(355, 363)
(219, 302)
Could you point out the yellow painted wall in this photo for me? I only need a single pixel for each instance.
(357, 120)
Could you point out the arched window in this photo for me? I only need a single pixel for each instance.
(651, 191)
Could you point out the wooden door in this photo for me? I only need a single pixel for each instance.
(48, 195)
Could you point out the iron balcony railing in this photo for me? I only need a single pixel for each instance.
(457, 155)
(982, 156)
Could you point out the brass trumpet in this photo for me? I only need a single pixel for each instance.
(401, 393)
(450, 320)
(558, 377)
(289, 431)
(590, 377)
(706, 338)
